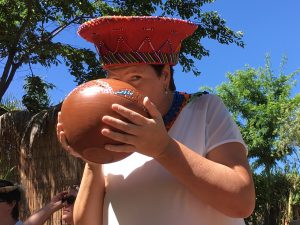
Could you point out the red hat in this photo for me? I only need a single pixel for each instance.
(137, 39)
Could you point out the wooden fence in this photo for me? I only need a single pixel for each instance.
(42, 167)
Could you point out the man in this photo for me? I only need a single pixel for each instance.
(64, 199)
(10, 197)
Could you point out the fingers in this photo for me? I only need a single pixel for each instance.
(60, 133)
(64, 142)
(135, 117)
(117, 136)
(58, 125)
(120, 125)
(63, 139)
(153, 111)
(59, 117)
(67, 147)
(124, 138)
(129, 114)
(59, 196)
(120, 148)
(63, 193)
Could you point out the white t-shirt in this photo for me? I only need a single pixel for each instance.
(19, 222)
(141, 192)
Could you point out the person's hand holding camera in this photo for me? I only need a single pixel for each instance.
(56, 202)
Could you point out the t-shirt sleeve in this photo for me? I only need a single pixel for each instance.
(220, 127)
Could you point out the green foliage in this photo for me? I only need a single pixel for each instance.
(261, 102)
(271, 209)
(266, 112)
(28, 30)
(290, 129)
(8, 172)
(9, 104)
(36, 98)
(274, 209)
(294, 180)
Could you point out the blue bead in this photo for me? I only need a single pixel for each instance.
(171, 115)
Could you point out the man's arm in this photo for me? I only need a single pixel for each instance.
(42, 215)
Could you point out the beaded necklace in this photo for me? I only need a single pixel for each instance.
(180, 99)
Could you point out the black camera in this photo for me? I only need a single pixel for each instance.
(69, 199)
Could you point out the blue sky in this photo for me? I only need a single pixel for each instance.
(269, 26)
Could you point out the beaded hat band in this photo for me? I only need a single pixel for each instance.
(137, 39)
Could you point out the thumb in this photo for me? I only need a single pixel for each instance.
(151, 108)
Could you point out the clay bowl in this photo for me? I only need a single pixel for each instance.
(82, 112)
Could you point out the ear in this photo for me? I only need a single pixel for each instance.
(166, 75)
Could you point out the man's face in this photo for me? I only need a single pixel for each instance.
(67, 214)
(6, 209)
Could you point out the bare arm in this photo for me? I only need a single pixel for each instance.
(222, 180)
(42, 215)
(88, 208)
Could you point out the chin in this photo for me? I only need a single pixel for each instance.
(67, 219)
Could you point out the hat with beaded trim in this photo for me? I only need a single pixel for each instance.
(122, 40)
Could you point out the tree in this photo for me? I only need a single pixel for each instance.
(292, 124)
(262, 105)
(285, 195)
(36, 98)
(28, 30)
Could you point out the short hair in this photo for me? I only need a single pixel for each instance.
(159, 68)
(10, 192)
